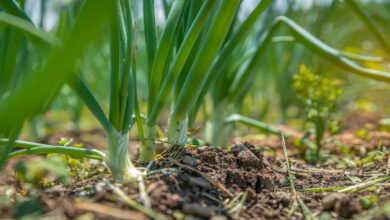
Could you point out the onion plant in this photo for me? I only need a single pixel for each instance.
(311, 42)
(17, 101)
(189, 92)
(243, 79)
(200, 43)
(205, 29)
(122, 91)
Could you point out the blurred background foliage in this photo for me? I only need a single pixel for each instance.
(271, 98)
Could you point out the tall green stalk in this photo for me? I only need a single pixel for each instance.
(162, 86)
(122, 91)
(150, 33)
(159, 69)
(219, 27)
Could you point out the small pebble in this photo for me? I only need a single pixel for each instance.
(219, 217)
(187, 160)
(201, 182)
(330, 200)
(196, 210)
(248, 159)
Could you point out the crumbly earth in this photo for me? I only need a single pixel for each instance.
(211, 183)
(244, 181)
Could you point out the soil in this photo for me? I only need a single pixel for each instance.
(244, 181)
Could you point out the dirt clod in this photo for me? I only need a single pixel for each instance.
(330, 200)
(218, 217)
(247, 159)
(197, 210)
(342, 204)
(190, 161)
(284, 198)
(212, 184)
(201, 182)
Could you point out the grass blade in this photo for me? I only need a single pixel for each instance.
(196, 78)
(236, 40)
(66, 150)
(253, 123)
(12, 45)
(212, 43)
(150, 33)
(90, 101)
(13, 8)
(128, 82)
(161, 62)
(116, 40)
(28, 28)
(180, 60)
(20, 105)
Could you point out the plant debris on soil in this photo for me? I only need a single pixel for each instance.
(240, 182)
(243, 181)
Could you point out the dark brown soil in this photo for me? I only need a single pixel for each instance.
(245, 181)
(208, 183)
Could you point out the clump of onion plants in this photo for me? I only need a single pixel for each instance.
(122, 91)
(205, 26)
(319, 96)
(237, 82)
(19, 105)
